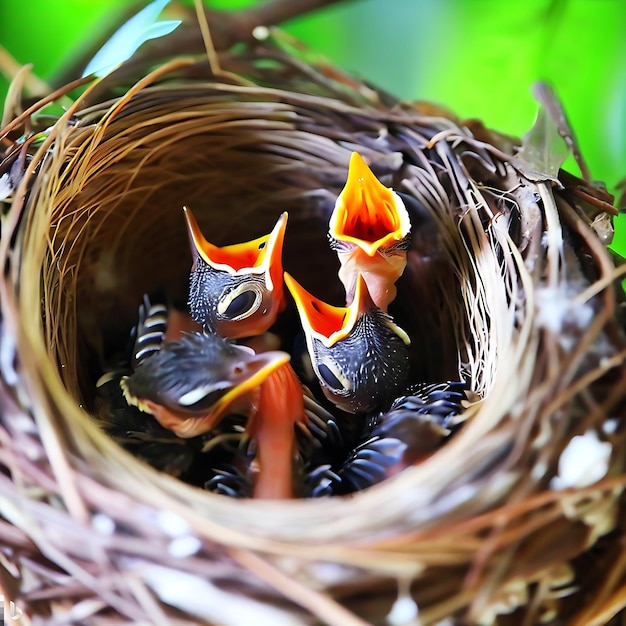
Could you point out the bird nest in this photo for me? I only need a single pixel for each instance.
(508, 285)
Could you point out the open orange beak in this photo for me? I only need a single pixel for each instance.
(331, 324)
(367, 214)
(237, 290)
(369, 229)
(262, 256)
(323, 321)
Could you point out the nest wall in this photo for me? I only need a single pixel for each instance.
(474, 533)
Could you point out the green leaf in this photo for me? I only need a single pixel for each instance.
(125, 41)
(543, 148)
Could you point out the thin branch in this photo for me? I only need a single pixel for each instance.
(227, 28)
(10, 67)
(240, 25)
(211, 52)
(55, 95)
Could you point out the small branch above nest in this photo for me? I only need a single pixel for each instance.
(227, 27)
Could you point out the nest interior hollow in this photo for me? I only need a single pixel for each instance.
(237, 167)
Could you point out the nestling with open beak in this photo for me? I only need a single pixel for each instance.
(359, 355)
(237, 290)
(370, 230)
(191, 384)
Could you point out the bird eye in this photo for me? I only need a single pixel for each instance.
(240, 303)
(331, 374)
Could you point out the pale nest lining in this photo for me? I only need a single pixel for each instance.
(497, 289)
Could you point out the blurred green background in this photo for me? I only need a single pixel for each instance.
(479, 58)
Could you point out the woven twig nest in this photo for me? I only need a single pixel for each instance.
(508, 285)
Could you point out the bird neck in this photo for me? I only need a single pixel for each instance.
(280, 406)
(380, 273)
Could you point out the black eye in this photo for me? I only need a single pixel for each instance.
(241, 304)
(329, 377)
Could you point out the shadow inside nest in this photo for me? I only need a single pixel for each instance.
(336, 452)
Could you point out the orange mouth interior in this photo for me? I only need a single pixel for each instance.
(255, 254)
(240, 255)
(322, 318)
(366, 210)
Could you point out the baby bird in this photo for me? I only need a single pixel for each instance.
(127, 425)
(360, 357)
(358, 353)
(236, 291)
(370, 230)
(191, 384)
(188, 385)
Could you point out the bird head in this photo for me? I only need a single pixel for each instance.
(370, 229)
(236, 290)
(367, 214)
(359, 355)
(189, 385)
